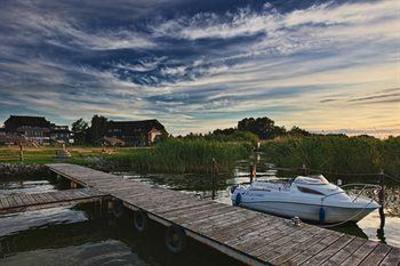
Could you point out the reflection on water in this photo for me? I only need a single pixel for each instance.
(16, 222)
(25, 186)
(107, 252)
(369, 227)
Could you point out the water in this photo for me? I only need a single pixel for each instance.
(87, 235)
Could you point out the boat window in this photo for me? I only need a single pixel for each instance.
(309, 191)
(311, 180)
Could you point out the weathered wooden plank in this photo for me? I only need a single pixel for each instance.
(291, 250)
(18, 200)
(4, 203)
(335, 247)
(265, 251)
(183, 206)
(316, 248)
(12, 201)
(376, 256)
(23, 201)
(346, 252)
(361, 253)
(393, 258)
(31, 199)
(256, 240)
(235, 229)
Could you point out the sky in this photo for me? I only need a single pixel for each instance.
(198, 65)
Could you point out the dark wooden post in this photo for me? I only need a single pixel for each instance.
(253, 172)
(213, 177)
(21, 153)
(381, 198)
(304, 170)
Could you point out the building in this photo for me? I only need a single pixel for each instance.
(61, 134)
(136, 133)
(36, 129)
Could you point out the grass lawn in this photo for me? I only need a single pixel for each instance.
(47, 154)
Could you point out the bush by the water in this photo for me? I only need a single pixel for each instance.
(336, 154)
(182, 156)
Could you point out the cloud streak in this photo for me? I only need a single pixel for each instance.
(323, 66)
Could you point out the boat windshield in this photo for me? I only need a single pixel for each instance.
(311, 180)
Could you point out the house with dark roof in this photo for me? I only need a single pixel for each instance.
(35, 128)
(136, 133)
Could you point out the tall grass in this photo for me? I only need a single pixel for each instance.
(336, 154)
(183, 156)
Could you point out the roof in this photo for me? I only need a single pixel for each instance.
(33, 121)
(144, 125)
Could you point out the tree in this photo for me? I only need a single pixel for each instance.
(296, 131)
(226, 131)
(263, 127)
(79, 128)
(98, 128)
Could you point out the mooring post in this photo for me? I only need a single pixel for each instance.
(21, 153)
(213, 177)
(304, 170)
(253, 172)
(381, 198)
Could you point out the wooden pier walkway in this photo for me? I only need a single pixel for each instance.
(248, 236)
(33, 201)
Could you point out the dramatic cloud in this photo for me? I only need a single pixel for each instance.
(197, 65)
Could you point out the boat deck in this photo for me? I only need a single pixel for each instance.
(251, 237)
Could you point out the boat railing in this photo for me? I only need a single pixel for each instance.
(365, 186)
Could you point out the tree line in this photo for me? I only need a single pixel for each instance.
(251, 129)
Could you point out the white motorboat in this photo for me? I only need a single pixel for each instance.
(310, 198)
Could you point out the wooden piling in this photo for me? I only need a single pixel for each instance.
(213, 179)
(253, 172)
(21, 153)
(381, 198)
(303, 170)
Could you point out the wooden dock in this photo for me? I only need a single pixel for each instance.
(248, 236)
(33, 201)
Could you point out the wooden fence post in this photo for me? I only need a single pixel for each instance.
(381, 198)
(213, 177)
(21, 153)
(253, 172)
(304, 170)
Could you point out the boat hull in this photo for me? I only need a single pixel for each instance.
(310, 212)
